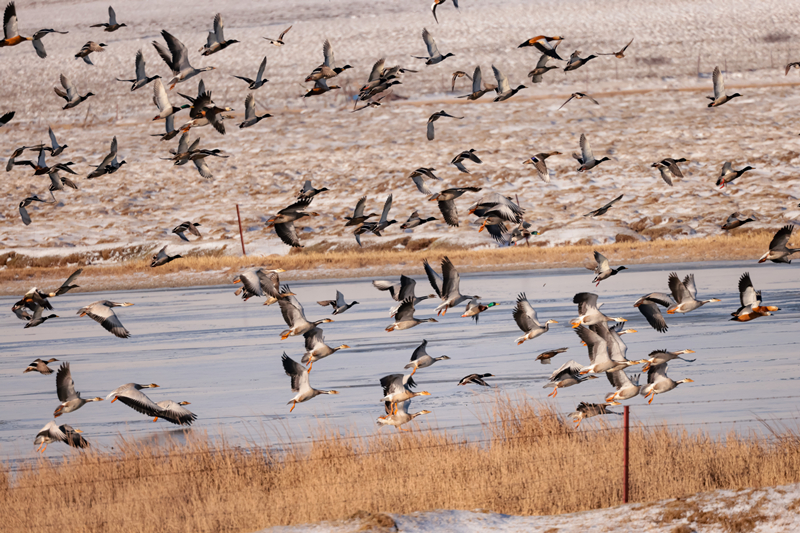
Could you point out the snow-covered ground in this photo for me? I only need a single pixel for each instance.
(652, 106)
(767, 510)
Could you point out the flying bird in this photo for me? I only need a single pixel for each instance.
(579, 96)
(102, 312)
(720, 97)
(603, 210)
(260, 79)
(546, 45)
(434, 56)
(112, 24)
(621, 53)
(433, 118)
(279, 41)
(215, 42)
(539, 163)
(779, 252)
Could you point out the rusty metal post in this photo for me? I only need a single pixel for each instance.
(625, 440)
(241, 236)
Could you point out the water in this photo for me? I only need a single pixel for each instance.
(206, 346)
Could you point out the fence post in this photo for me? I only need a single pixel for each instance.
(241, 237)
(625, 435)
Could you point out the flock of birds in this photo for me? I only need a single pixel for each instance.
(494, 211)
(606, 350)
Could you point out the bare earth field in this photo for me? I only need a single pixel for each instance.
(652, 106)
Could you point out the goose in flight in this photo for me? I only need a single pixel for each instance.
(660, 357)
(102, 313)
(586, 159)
(308, 191)
(546, 45)
(649, 304)
(414, 221)
(294, 316)
(449, 292)
(434, 56)
(176, 56)
(316, 348)
(685, 293)
(112, 24)
(339, 305)
(421, 359)
(130, 394)
(575, 61)
(779, 252)
(735, 220)
(567, 375)
(658, 382)
(284, 221)
(504, 90)
(250, 116)
(400, 292)
(69, 93)
(720, 97)
(404, 317)
(162, 257)
(55, 433)
(626, 386)
(328, 68)
(729, 174)
(589, 312)
(215, 41)
(750, 299)
(260, 79)
(603, 269)
(300, 383)
(528, 321)
(541, 68)
(478, 89)
(588, 410)
(401, 416)
(175, 412)
(38, 319)
(397, 389)
(65, 388)
(142, 78)
(260, 282)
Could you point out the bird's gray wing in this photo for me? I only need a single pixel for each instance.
(65, 387)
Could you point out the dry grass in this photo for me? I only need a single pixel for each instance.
(213, 268)
(530, 462)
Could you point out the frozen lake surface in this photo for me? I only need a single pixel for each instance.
(206, 346)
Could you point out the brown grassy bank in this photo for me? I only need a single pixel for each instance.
(530, 462)
(22, 272)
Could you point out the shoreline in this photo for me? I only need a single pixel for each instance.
(191, 271)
